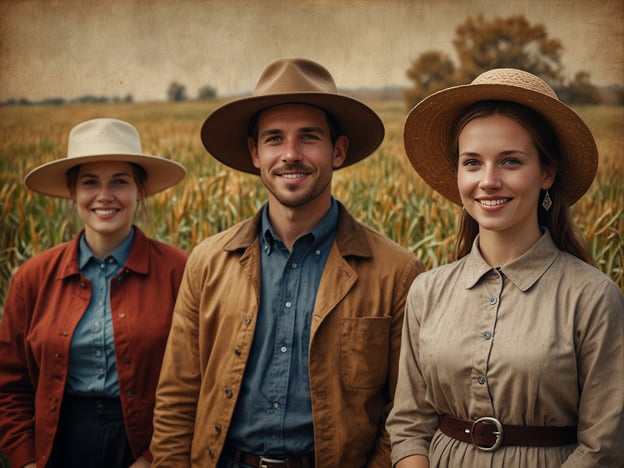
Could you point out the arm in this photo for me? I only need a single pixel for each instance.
(412, 421)
(17, 394)
(600, 356)
(179, 385)
(413, 461)
(381, 454)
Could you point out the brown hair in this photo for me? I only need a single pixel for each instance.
(558, 219)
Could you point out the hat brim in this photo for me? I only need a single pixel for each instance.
(428, 126)
(51, 178)
(224, 132)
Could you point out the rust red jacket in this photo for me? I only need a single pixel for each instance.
(45, 302)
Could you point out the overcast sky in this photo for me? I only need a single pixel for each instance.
(70, 48)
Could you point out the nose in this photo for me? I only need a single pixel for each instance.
(291, 151)
(490, 178)
(105, 194)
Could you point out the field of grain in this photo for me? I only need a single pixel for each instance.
(383, 191)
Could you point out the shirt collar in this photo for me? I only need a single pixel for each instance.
(120, 254)
(523, 271)
(325, 228)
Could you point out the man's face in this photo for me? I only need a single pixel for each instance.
(295, 154)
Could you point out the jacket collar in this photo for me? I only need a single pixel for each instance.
(524, 271)
(138, 261)
(350, 238)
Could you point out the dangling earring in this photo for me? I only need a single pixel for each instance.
(547, 202)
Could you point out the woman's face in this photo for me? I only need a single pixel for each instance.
(500, 175)
(106, 197)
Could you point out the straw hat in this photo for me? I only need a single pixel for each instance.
(290, 81)
(427, 132)
(103, 140)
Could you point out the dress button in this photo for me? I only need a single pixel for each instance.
(492, 300)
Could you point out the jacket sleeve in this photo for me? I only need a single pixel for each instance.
(381, 455)
(17, 393)
(178, 387)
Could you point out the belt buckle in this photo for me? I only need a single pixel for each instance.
(270, 461)
(498, 433)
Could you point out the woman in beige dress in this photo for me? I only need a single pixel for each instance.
(513, 355)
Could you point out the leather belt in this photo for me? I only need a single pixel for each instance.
(488, 434)
(257, 461)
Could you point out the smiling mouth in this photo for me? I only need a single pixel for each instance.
(499, 201)
(107, 212)
(292, 175)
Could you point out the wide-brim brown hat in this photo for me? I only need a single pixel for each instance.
(428, 126)
(290, 81)
(103, 140)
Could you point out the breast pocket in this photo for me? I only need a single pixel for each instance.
(364, 350)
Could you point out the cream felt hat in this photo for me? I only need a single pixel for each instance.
(103, 140)
(428, 126)
(290, 81)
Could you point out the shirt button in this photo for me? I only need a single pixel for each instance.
(228, 393)
(276, 405)
(492, 300)
(217, 428)
(98, 353)
(237, 351)
(487, 335)
(126, 359)
(294, 265)
(283, 349)
(318, 252)
(130, 394)
(122, 315)
(288, 304)
(481, 379)
(102, 266)
(247, 320)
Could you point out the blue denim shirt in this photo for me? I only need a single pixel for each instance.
(273, 414)
(92, 366)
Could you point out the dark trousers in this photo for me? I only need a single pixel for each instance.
(91, 434)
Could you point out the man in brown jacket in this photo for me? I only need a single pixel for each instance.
(285, 338)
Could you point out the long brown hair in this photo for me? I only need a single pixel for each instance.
(558, 219)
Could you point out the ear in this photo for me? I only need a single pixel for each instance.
(548, 177)
(253, 151)
(340, 151)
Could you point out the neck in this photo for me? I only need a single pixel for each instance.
(291, 223)
(103, 245)
(500, 248)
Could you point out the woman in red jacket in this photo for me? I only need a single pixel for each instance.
(85, 323)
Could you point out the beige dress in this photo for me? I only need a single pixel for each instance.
(538, 342)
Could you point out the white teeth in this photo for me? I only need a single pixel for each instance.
(292, 176)
(105, 212)
(500, 201)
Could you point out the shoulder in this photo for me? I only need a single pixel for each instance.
(48, 259)
(577, 278)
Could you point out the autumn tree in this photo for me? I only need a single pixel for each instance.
(506, 43)
(482, 45)
(430, 72)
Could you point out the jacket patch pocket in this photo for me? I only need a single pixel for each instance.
(364, 350)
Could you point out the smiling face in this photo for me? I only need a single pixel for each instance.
(295, 155)
(500, 177)
(106, 196)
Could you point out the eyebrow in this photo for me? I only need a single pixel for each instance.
(117, 174)
(311, 129)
